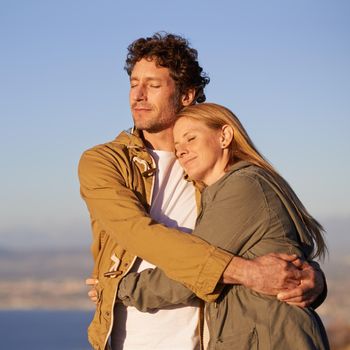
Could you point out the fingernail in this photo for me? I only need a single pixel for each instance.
(280, 296)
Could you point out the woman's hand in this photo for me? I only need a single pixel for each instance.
(93, 293)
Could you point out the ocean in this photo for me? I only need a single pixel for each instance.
(44, 330)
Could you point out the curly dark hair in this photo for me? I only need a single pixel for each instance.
(173, 52)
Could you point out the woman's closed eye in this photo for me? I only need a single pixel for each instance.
(191, 138)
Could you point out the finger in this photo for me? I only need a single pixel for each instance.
(300, 300)
(300, 304)
(292, 274)
(291, 284)
(291, 294)
(93, 296)
(92, 293)
(285, 257)
(296, 295)
(94, 300)
(294, 300)
(91, 281)
(298, 263)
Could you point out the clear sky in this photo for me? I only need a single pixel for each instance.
(282, 66)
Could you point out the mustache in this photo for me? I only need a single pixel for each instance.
(141, 105)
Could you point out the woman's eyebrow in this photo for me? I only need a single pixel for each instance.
(184, 135)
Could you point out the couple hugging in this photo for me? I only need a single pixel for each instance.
(156, 287)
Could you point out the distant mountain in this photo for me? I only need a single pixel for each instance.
(52, 276)
(39, 264)
(49, 279)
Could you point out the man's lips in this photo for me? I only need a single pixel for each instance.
(141, 108)
(138, 109)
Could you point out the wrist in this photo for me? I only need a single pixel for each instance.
(236, 271)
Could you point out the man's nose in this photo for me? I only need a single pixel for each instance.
(139, 93)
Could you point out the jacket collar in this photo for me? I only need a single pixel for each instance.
(133, 141)
(212, 189)
(131, 138)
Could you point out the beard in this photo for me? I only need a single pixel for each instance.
(153, 120)
(154, 126)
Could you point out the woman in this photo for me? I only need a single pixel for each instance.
(249, 210)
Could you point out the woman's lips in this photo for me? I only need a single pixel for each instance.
(185, 162)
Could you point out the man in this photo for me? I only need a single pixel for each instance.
(133, 183)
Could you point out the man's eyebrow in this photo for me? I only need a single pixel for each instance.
(147, 79)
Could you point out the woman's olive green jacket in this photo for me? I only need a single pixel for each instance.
(246, 214)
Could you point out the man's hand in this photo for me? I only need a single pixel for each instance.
(311, 286)
(93, 293)
(268, 274)
(294, 281)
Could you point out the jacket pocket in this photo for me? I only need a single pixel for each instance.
(246, 339)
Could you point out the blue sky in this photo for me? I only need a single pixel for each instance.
(281, 66)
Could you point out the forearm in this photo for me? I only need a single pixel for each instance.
(236, 271)
(268, 274)
(151, 289)
(185, 258)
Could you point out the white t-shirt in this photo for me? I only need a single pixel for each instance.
(173, 204)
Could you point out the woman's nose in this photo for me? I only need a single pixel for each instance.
(181, 150)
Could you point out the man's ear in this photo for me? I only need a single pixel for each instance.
(188, 98)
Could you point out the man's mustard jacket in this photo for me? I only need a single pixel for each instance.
(116, 181)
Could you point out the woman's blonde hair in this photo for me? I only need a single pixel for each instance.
(242, 148)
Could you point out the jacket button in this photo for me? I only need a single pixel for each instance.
(107, 313)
